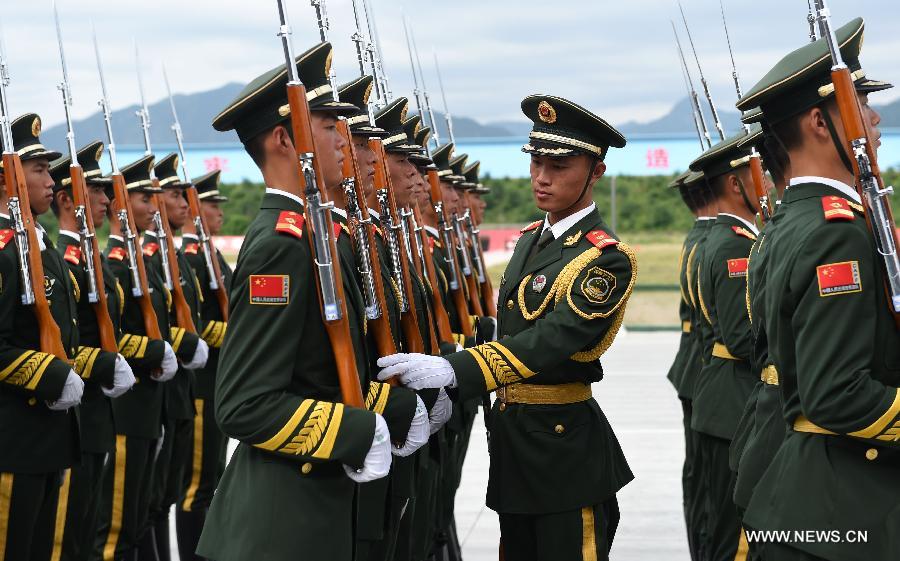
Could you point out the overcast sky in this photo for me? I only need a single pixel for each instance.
(616, 57)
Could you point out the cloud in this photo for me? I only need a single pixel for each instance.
(617, 58)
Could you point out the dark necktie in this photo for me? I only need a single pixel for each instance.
(543, 241)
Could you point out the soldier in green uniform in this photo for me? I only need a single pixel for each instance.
(725, 382)
(38, 391)
(288, 491)
(106, 374)
(830, 332)
(192, 351)
(137, 415)
(207, 460)
(562, 302)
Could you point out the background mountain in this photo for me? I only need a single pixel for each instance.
(196, 112)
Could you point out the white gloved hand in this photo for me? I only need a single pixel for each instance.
(200, 356)
(417, 371)
(123, 379)
(378, 461)
(459, 348)
(71, 393)
(493, 322)
(418, 432)
(169, 365)
(441, 411)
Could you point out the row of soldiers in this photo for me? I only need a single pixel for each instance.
(99, 449)
(788, 369)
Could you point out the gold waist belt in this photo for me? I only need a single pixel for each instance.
(721, 351)
(534, 394)
(685, 327)
(802, 424)
(769, 375)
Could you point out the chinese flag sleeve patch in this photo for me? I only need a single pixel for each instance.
(272, 290)
(838, 278)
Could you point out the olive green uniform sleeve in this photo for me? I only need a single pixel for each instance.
(835, 387)
(588, 311)
(397, 405)
(260, 397)
(728, 272)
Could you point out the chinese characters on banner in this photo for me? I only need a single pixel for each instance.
(216, 163)
(657, 158)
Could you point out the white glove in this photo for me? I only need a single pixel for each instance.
(417, 371)
(123, 379)
(71, 393)
(418, 432)
(200, 356)
(493, 322)
(378, 461)
(459, 347)
(169, 365)
(441, 411)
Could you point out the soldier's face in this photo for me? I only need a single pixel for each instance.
(558, 183)
(402, 176)
(365, 159)
(99, 203)
(871, 119)
(213, 216)
(329, 146)
(176, 208)
(451, 197)
(143, 209)
(478, 206)
(39, 183)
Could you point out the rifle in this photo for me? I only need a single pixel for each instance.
(484, 281)
(122, 206)
(870, 183)
(171, 270)
(699, 121)
(416, 251)
(383, 89)
(756, 171)
(410, 36)
(709, 99)
(210, 256)
(468, 273)
(447, 116)
(409, 320)
(445, 333)
(319, 227)
(31, 268)
(96, 293)
(446, 230)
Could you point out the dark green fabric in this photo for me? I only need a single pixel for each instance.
(839, 366)
(722, 524)
(83, 506)
(685, 357)
(32, 515)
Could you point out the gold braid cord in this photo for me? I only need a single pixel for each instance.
(27, 370)
(499, 366)
(565, 278)
(702, 303)
(620, 304)
(75, 287)
(121, 294)
(684, 297)
(747, 291)
(687, 275)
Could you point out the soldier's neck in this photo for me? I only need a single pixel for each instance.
(67, 222)
(813, 163)
(283, 177)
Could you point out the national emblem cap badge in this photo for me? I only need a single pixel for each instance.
(539, 283)
(546, 112)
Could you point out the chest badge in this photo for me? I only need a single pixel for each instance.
(539, 283)
(48, 286)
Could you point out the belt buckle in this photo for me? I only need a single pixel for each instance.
(501, 395)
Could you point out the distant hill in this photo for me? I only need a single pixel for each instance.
(196, 112)
(890, 114)
(680, 120)
(464, 127)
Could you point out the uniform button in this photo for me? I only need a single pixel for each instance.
(137, 380)
(871, 454)
(559, 429)
(32, 402)
(502, 407)
(306, 468)
(509, 304)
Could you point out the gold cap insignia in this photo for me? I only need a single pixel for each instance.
(175, 161)
(328, 63)
(99, 153)
(368, 93)
(417, 129)
(546, 112)
(403, 112)
(36, 127)
(285, 110)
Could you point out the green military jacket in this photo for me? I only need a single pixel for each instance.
(725, 382)
(836, 348)
(138, 412)
(33, 438)
(277, 392)
(686, 356)
(214, 326)
(558, 314)
(761, 429)
(97, 366)
(178, 402)
(698, 325)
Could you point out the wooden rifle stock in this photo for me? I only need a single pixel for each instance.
(221, 293)
(437, 302)
(151, 324)
(48, 330)
(381, 326)
(106, 330)
(458, 294)
(339, 329)
(409, 322)
(183, 316)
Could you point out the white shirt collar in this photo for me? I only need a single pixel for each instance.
(750, 225)
(117, 237)
(706, 218)
(374, 213)
(151, 233)
(845, 189)
(293, 197)
(71, 234)
(563, 225)
(6, 216)
(190, 236)
(340, 212)
(433, 231)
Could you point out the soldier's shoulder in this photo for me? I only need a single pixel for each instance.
(530, 227)
(7, 236)
(836, 209)
(602, 247)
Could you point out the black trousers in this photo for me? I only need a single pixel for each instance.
(781, 552)
(585, 534)
(694, 511)
(723, 524)
(28, 505)
(79, 505)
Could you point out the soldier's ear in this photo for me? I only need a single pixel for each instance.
(598, 171)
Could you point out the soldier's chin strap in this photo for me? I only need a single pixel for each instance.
(841, 149)
(587, 184)
(744, 196)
